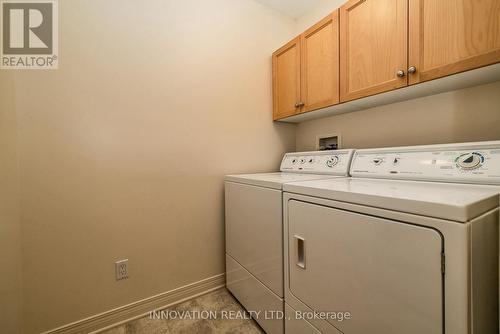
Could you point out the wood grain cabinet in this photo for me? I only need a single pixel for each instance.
(452, 36)
(369, 47)
(286, 80)
(320, 64)
(373, 47)
(306, 70)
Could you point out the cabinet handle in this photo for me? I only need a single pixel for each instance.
(300, 246)
(400, 74)
(412, 69)
(299, 104)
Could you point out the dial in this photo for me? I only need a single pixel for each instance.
(469, 161)
(377, 161)
(302, 160)
(332, 161)
(311, 160)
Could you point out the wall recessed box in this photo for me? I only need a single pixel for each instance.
(341, 65)
(328, 142)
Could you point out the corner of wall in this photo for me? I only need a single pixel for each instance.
(10, 219)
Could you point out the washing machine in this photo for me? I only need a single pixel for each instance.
(254, 230)
(409, 244)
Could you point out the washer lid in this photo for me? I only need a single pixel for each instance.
(274, 180)
(449, 201)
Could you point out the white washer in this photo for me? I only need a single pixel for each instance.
(254, 230)
(408, 245)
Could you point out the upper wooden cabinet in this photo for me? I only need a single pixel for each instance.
(320, 64)
(373, 47)
(451, 36)
(369, 47)
(286, 80)
(306, 70)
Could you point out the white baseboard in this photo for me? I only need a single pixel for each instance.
(139, 309)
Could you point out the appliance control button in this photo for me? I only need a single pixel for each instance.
(332, 161)
(469, 161)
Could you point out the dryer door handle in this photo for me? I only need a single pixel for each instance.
(300, 247)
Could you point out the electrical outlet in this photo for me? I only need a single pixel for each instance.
(121, 269)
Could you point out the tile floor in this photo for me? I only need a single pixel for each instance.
(220, 301)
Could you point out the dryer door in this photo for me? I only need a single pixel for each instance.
(387, 274)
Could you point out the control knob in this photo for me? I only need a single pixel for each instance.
(469, 161)
(332, 161)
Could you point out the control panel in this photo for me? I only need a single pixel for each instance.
(465, 163)
(318, 162)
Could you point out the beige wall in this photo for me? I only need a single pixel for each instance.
(10, 239)
(471, 114)
(124, 148)
(316, 13)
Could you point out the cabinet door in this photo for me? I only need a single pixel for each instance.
(286, 80)
(320, 64)
(451, 36)
(387, 274)
(373, 47)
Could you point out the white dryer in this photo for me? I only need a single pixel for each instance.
(254, 230)
(409, 244)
